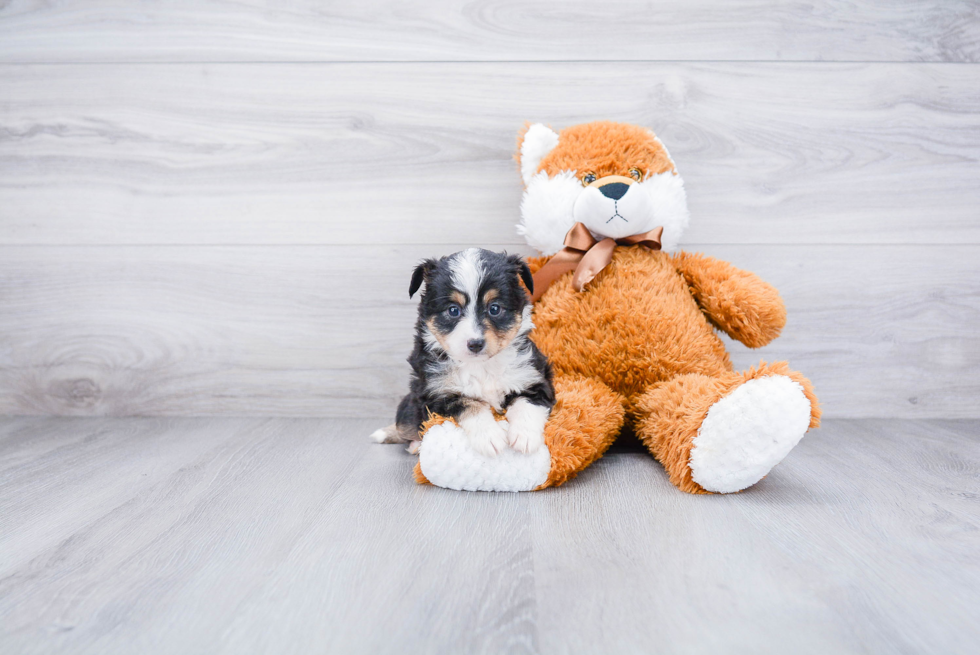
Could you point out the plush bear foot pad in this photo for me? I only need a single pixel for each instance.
(748, 432)
(447, 460)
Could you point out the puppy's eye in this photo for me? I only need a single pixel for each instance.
(493, 309)
(453, 311)
(588, 179)
(636, 174)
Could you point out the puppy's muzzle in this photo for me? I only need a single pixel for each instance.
(475, 346)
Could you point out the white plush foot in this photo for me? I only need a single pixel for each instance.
(748, 432)
(526, 422)
(486, 436)
(448, 461)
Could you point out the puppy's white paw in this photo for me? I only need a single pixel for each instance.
(385, 435)
(491, 441)
(486, 436)
(413, 447)
(526, 425)
(525, 441)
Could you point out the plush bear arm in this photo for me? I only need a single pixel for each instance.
(737, 302)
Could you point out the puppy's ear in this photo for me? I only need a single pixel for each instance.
(524, 271)
(421, 274)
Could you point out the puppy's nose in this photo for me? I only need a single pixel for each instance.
(476, 345)
(614, 190)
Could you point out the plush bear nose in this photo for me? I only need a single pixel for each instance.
(476, 345)
(614, 190)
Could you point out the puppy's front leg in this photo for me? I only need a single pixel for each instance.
(526, 425)
(485, 435)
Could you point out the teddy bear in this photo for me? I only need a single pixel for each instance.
(629, 324)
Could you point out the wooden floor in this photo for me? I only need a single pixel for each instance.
(171, 535)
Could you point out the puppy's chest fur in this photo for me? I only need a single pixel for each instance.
(510, 371)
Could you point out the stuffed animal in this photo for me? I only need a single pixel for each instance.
(629, 325)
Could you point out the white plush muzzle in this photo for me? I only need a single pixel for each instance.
(552, 205)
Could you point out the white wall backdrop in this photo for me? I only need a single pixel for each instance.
(214, 208)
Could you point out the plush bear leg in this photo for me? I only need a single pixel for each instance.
(724, 434)
(585, 421)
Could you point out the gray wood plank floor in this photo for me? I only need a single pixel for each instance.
(297, 535)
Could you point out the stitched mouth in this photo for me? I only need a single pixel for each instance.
(616, 214)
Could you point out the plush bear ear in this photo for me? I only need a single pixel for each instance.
(538, 141)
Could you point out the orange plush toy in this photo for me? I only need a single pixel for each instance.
(629, 325)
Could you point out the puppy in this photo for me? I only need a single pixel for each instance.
(473, 355)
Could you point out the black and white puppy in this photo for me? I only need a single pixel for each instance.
(473, 354)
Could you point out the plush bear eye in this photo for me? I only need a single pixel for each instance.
(493, 309)
(453, 311)
(636, 174)
(588, 179)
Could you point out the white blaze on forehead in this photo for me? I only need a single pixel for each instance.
(467, 274)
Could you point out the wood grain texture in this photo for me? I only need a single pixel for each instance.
(195, 533)
(422, 153)
(278, 535)
(860, 542)
(301, 30)
(324, 331)
(911, 484)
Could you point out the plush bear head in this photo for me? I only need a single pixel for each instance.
(616, 179)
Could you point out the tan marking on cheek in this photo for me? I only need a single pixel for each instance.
(458, 298)
(497, 340)
(440, 337)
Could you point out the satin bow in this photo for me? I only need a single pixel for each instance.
(587, 256)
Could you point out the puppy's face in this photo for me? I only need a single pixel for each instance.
(473, 305)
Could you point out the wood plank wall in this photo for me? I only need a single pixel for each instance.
(213, 208)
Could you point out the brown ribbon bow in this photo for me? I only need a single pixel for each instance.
(586, 256)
